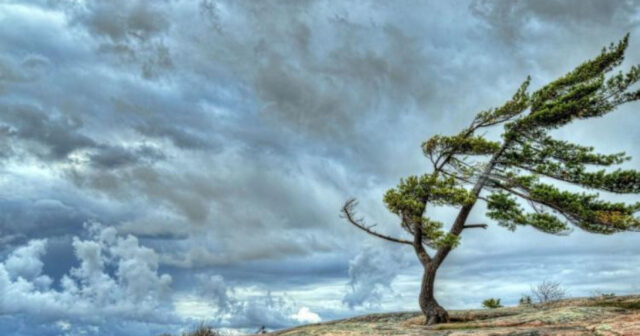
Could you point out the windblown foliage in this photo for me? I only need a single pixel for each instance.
(521, 168)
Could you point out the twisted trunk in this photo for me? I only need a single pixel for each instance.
(433, 312)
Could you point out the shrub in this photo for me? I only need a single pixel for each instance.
(600, 294)
(548, 291)
(525, 300)
(491, 303)
(203, 331)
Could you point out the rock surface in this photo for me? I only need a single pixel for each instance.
(606, 316)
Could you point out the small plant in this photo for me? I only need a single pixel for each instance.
(620, 303)
(525, 300)
(548, 291)
(203, 330)
(602, 295)
(491, 303)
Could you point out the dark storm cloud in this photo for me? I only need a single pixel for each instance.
(124, 20)
(132, 31)
(58, 135)
(39, 218)
(329, 95)
(514, 20)
(54, 136)
(113, 156)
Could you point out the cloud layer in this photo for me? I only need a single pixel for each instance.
(215, 142)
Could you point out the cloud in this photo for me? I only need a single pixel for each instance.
(132, 31)
(39, 218)
(304, 315)
(56, 136)
(371, 274)
(25, 261)
(141, 139)
(111, 157)
(214, 289)
(116, 280)
(264, 310)
(123, 20)
(52, 136)
(243, 308)
(254, 310)
(515, 19)
(29, 68)
(117, 285)
(24, 265)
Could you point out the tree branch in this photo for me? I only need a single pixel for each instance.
(463, 214)
(347, 211)
(475, 226)
(421, 252)
(551, 206)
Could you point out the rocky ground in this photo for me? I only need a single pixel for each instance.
(587, 316)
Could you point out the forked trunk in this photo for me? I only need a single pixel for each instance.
(433, 312)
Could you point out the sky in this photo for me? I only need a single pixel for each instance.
(166, 163)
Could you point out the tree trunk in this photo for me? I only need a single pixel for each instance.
(432, 311)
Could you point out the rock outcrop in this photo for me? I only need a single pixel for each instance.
(605, 316)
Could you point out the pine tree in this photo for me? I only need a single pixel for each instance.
(517, 175)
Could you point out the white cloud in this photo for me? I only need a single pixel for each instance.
(243, 308)
(25, 261)
(305, 315)
(90, 293)
(117, 281)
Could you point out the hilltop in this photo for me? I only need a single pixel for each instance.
(604, 315)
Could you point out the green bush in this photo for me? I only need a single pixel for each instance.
(491, 303)
(525, 300)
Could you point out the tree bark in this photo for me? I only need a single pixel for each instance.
(433, 312)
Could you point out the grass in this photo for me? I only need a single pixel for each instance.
(620, 303)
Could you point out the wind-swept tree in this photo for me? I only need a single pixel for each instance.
(517, 176)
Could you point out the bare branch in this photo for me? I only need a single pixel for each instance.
(457, 177)
(548, 291)
(349, 215)
(475, 226)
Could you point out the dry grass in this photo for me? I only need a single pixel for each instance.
(618, 302)
(203, 331)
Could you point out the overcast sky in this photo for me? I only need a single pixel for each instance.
(168, 162)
